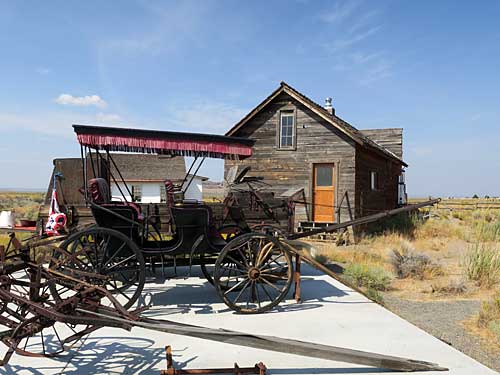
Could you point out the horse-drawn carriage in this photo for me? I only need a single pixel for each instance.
(250, 270)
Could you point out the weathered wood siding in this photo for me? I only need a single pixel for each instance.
(316, 142)
(370, 201)
(391, 139)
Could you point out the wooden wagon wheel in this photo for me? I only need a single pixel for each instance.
(262, 277)
(103, 257)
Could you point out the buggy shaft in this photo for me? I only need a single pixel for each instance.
(277, 344)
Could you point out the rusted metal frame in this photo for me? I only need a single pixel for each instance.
(296, 279)
(259, 368)
(54, 315)
(362, 220)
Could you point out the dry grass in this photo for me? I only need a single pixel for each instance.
(482, 264)
(489, 315)
(431, 261)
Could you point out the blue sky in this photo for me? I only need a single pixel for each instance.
(431, 67)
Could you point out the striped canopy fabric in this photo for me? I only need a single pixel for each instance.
(163, 142)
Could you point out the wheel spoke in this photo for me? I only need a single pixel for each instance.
(114, 255)
(121, 262)
(270, 284)
(241, 291)
(235, 286)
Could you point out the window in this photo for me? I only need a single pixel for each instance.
(374, 180)
(324, 175)
(287, 129)
(136, 193)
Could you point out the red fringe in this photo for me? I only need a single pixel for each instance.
(168, 147)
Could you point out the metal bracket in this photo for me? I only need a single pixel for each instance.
(258, 369)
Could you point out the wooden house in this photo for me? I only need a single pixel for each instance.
(345, 173)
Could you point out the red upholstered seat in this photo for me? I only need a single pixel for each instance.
(100, 194)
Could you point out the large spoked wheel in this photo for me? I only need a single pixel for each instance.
(102, 257)
(253, 273)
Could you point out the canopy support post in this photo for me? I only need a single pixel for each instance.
(193, 175)
(121, 177)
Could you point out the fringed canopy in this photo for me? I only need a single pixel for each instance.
(163, 142)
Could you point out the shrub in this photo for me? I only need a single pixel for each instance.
(374, 295)
(489, 315)
(451, 289)
(321, 258)
(482, 264)
(407, 263)
(371, 277)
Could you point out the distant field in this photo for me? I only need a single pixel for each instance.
(464, 204)
(24, 204)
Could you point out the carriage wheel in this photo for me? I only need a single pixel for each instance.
(103, 257)
(262, 277)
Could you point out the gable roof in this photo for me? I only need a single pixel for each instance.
(335, 121)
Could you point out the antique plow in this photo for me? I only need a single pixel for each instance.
(46, 312)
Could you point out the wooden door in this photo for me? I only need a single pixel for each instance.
(323, 193)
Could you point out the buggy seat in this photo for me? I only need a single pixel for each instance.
(100, 194)
(119, 216)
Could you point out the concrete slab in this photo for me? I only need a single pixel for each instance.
(330, 314)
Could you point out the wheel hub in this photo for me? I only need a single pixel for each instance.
(254, 273)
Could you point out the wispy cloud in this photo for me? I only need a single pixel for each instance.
(205, 116)
(342, 43)
(380, 69)
(353, 26)
(108, 118)
(42, 70)
(340, 12)
(476, 117)
(173, 26)
(81, 101)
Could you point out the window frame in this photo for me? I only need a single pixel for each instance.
(288, 111)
